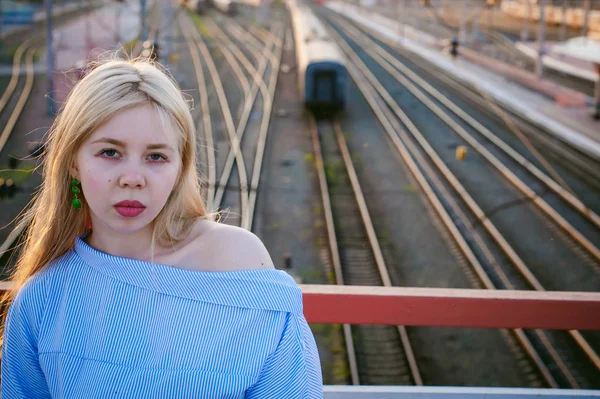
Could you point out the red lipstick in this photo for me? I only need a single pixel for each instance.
(129, 209)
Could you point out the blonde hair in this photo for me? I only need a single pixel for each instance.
(51, 223)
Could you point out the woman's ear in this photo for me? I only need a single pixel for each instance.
(74, 170)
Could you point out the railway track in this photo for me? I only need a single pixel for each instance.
(267, 90)
(12, 102)
(573, 161)
(234, 40)
(204, 128)
(424, 181)
(377, 354)
(38, 29)
(500, 154)
(15, 95)
(558, 186)
(227, 118)
(544, 348)
(247, 136)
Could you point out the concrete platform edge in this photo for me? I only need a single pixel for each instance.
(405, 392)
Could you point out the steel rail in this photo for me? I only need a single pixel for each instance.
(16, 232)
(374, 241)
(16, 113)
(571, 199)
(206, 119)
(243, 35)
(227, 116)
(244, 84)
(333, 245)
(460, 87)
(268, 94)
(257, 35)
(16, 72)
(242, 79)
(233, 51)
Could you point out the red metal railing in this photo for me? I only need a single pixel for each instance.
(447, 307)
(451, 307)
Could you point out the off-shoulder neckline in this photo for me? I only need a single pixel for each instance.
(268, 289)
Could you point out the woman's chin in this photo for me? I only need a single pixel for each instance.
(127, 225)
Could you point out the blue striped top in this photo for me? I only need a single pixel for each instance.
(95, 325)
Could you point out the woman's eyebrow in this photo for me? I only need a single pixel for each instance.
(159, 146)
(122, 144)
(110, 141)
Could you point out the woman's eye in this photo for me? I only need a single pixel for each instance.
(157, 157)
(109, 153)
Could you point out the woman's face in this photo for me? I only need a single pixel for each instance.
(127, 169)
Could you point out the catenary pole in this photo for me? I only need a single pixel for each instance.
(541, 37)
(563, 23)
(143, 20)
(49, 45)
(586, 17)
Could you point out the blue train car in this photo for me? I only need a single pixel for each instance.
(325, 84)
(322, 70)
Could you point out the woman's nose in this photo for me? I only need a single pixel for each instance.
(132, 179)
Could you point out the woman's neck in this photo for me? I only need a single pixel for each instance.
(134, 245)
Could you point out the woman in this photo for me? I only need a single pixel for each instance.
(126, 287)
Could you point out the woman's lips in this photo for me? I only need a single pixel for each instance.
(129, 209)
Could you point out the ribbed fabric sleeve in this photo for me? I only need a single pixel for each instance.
(92, 325)
(293, 371)
(22, 376)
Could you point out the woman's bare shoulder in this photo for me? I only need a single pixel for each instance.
(221, 247)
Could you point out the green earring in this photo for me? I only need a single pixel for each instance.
(76, 203)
